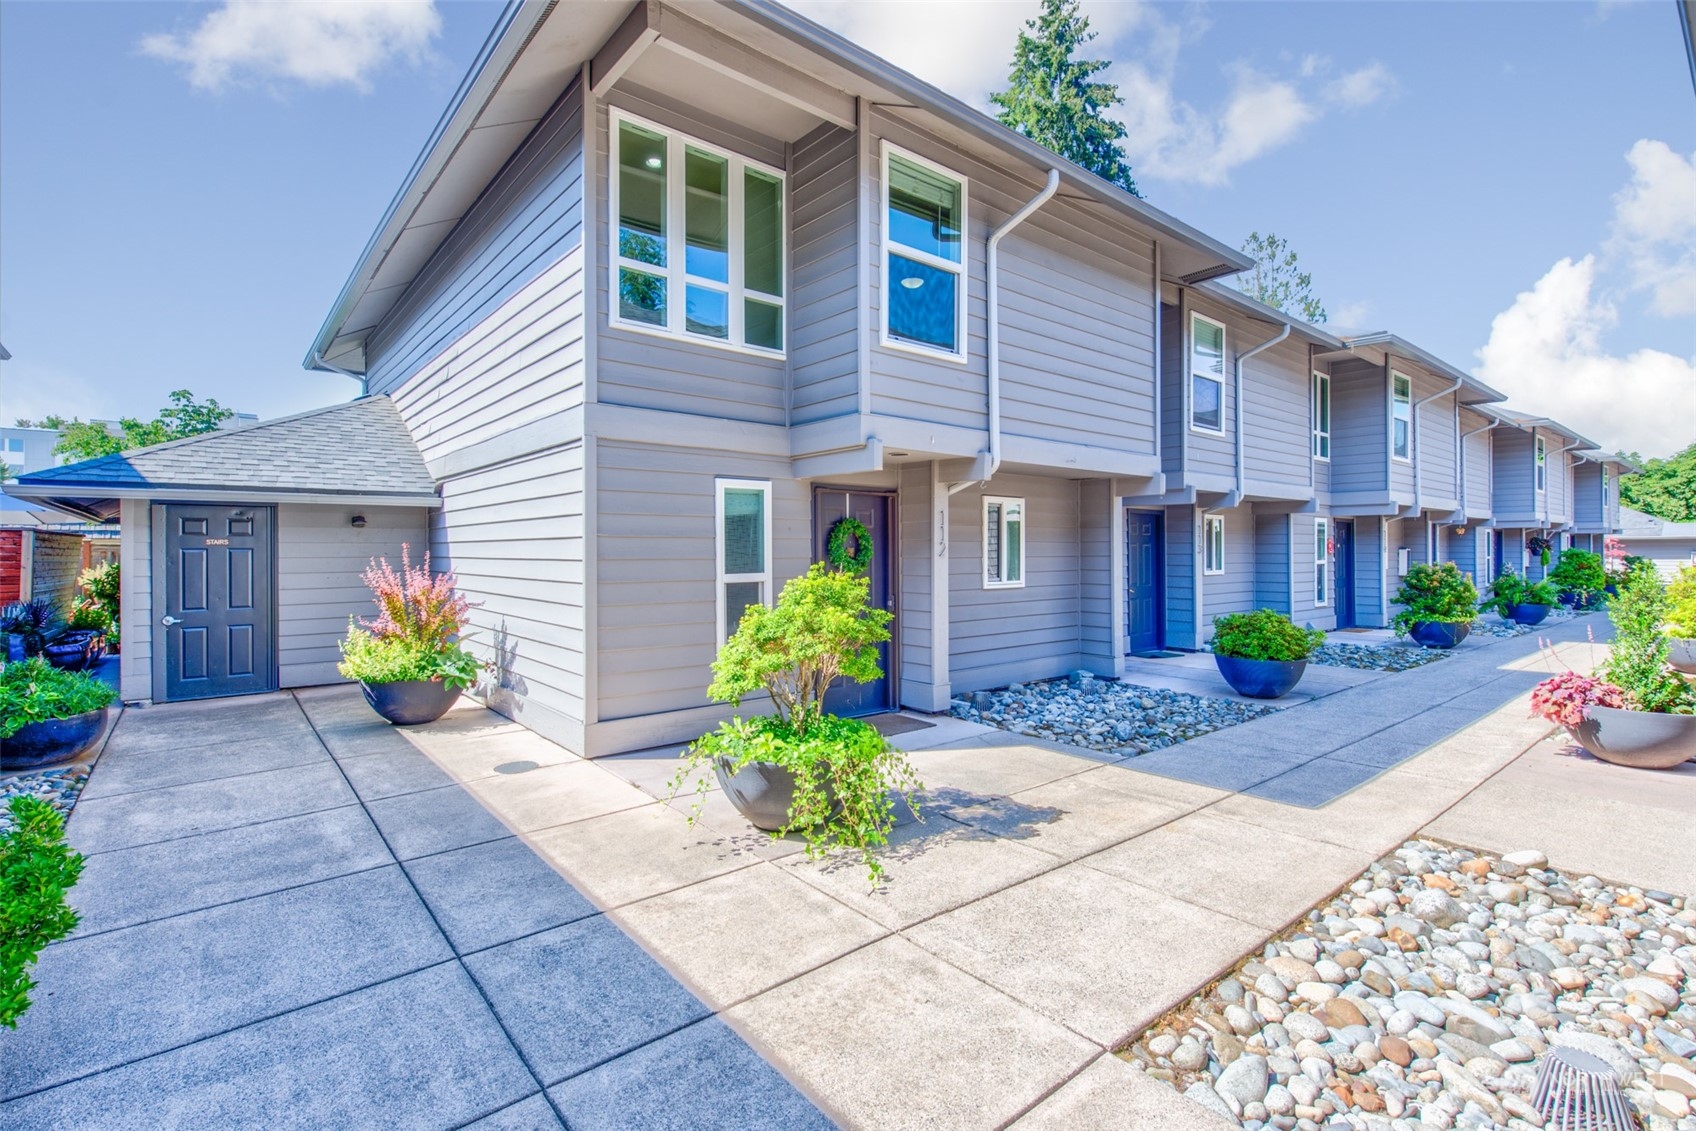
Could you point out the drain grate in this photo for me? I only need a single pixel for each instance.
(1579, 1092)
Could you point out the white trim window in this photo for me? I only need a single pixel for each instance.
(1607, 491)
(924, 256)
(1540, 463)
(743, 550)
(1004, 543)
(1321, 416)
(1207, 374)
(1321, 562)
(1486, 552)
(1401, 416)
(700, 240)
(1213, 544)
(1433, 542)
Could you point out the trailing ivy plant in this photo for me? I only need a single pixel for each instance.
(1263, 635)
(1511, 589)
(1637, 660)
(37, 868)
(1435, 594)
(821, 628)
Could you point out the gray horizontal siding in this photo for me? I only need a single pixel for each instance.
(1438, 450)
(514, 535)
(1359, 428)
(1272, 562)
(1171, 389)
(1212, 453)
(1514, 475)
(1479, 461)
(1277, 416)
(1098, 643)
(824, 325)
(1305, 553)
(320, 557)
(1587, 494)
(676, 374)
(999, 636)
(527, 221)
(1370, 571)
(1234, 590)
(1183, 566)
(918, 602)
(655, 541)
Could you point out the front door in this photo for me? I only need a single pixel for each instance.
(217, 623)
(1144, 608)
(1342, 533)
(875, 511)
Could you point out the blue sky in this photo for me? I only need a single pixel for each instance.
(183, 187)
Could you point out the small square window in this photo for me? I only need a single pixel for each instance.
(1213, 544)
(1003, 543)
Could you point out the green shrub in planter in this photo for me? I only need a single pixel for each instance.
(1681, 604)
(1580, 573)
(33, 690)
(1263, 635)
(369, 658)
(1435, 594)
(37, 868)
(1637, 659)
(1511, 589)
(821, 628)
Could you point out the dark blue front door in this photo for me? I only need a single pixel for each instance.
(874, 511)
(217, 615)
(1342, 533)
(1145, 608)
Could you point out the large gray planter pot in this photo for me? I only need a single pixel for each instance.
(762, 792)
(1439, 634)
(412, 701)
(1640, 739)
(53, 740)
(1260, 679)
(1528, 614)
(1681, 653)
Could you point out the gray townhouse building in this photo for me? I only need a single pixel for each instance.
(673, 289)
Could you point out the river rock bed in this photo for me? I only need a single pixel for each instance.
(59, 787)
(1124, 719)
(1376, 658)
(1492, 625)
(1422, 996)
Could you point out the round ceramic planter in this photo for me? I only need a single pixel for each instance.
(1260, 679)
(1528, 614)
(52, 740)
(412, 701)
(1439, 634)
(1642, 740)
(1681, 653)
(762, 792)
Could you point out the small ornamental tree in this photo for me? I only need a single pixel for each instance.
(1614, 559)
(1637, 660)
(1681, 604)
(37, 868)
(1435, 594)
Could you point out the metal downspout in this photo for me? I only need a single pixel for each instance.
(1461, 462)
(1236, 495)
(1413, 438)
(318, 362)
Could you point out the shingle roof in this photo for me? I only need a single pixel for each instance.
(356, 449)
(1636, 524)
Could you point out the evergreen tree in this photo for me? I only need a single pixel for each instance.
(1053, 98)
(1277, 279)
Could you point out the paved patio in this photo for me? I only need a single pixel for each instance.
(384, 934)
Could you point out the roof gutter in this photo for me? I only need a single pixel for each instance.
(1236, 495)
(317, 362)
(993, 368)
(1413, 414)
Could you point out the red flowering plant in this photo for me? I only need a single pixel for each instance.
(1562, 698)
(417, 631)
(1615, 559)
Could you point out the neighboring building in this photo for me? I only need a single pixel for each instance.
(1550, 483)
(672, 291)
(1670, 545)
(24, 450)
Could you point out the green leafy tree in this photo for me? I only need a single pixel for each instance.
(1277, 278)
(1637, 657)
(36, 870)
(1054, 98)
(184, 416)
(1665, 488)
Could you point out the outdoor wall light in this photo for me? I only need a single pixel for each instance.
(358, 522)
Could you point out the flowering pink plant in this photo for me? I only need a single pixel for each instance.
(415, 605)
(1562, 698)
(1613, 553)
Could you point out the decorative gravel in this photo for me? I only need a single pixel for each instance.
(1492, 625)
(60, 787)
(1376, 658)
(1422, 997)
(1124, 719)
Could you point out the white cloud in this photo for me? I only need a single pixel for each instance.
(965, 50)
(1350, 317)
(1654, 229)
(1546, 351)
(1361, 88)
(317, 43)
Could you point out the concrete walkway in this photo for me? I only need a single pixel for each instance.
(295, 918)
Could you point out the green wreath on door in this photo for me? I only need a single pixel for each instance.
(849, 547)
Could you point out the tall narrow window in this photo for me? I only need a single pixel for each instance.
(1607, 490)
(1003, 543)
(1401, 416)
(924, 294)
(1207, 374)
(1433, 542)
(1213, 531)
(1321, 561)
(700, 240)
(1542, 466)
(744, 549)
(1321, 416)
(1487, 552)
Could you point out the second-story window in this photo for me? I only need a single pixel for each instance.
(1401, 416)
(1607, 488)
(924, 301)
(700, 240)
(1321, 416)
(1207, 374)
(1541, 465)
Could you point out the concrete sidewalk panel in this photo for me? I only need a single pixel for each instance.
(123, 769)
(636, 853)
(555, 795)
(534, 1113)
(1110, 1095)
(495, 892)
(436, 820)
(392, 773)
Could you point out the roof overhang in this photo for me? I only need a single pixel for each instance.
(536, 49)
(1583, 445)
(1254, 308)
(99, 502)
(1382, 345)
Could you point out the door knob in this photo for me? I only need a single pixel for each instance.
(168, 620)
